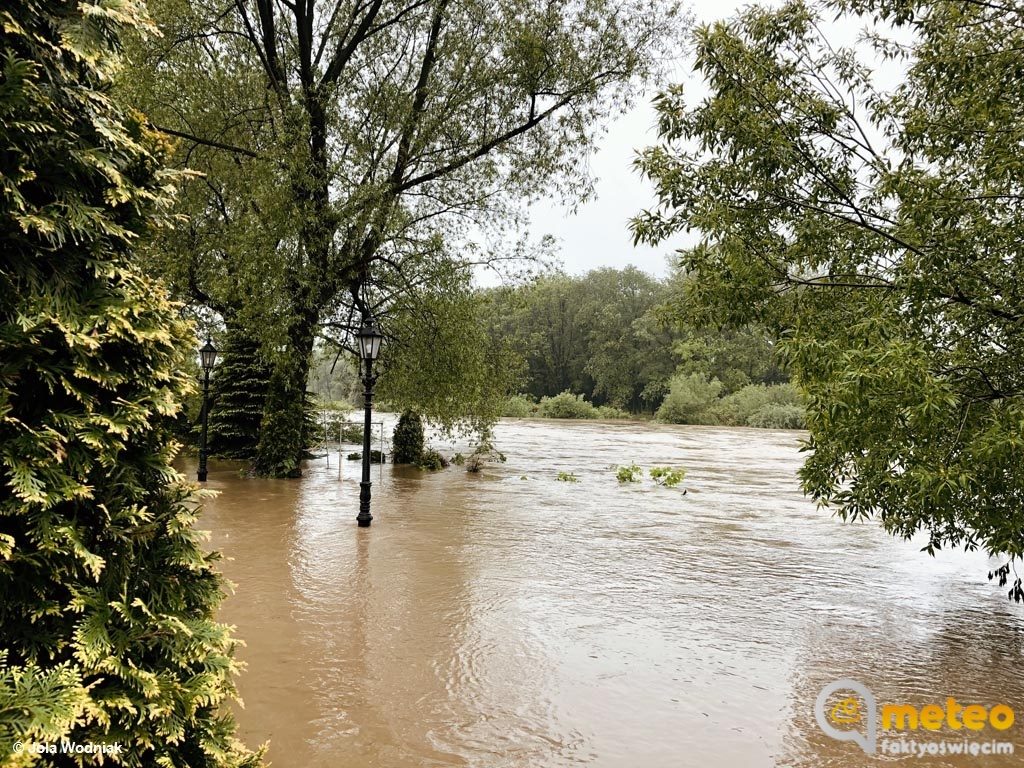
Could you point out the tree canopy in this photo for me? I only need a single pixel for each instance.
(879, 232)
(345, 144)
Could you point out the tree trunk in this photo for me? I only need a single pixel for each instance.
(284, 430)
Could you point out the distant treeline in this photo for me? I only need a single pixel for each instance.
(611, 343)
(614, 337)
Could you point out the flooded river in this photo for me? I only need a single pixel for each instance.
(509, 619)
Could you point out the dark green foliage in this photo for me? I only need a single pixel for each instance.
(408, 439)
(596, 334)
(278, 451)
(108, 599)
(238, 392)
(376, 457)
(287, 422)
(432, 460)
(312, 426)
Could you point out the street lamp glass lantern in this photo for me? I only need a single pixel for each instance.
(370, 339)
(208, 356)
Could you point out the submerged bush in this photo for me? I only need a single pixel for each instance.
(693, 399)
(611, 412)
(407, 439)
(431, 460)
(779, 416)
(484, 453)
(376, 457)
(667, 476)
(566, 405)
(741, 407)
(630, 474)
(567, 477)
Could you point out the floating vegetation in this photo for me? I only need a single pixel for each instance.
(630, 474)
(667, 476)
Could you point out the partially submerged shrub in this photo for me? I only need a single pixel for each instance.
(693, 399)
(431, 460)
(484, 453)
(407, 439)
(568, 477)
(630, 474)
(779, 416)
(376, 457)
(667, 476)
(611, 412)
(566, 405)
(739, 408)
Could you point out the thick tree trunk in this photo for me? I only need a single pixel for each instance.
(283, 431)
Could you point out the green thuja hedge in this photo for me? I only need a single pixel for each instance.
(237, 395)
(408, 438)
(107, 598)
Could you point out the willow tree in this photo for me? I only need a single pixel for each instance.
(346, 136)
(107, 617)
(880, 232)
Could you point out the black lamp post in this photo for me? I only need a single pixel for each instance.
(208, 358)
(370, 339)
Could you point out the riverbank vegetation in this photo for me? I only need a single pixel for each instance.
(606, 345)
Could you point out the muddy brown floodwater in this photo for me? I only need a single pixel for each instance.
(510, 619)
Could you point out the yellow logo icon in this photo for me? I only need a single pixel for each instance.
(846, 711)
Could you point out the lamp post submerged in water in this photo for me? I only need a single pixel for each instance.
(370, 339)
(208, 358)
